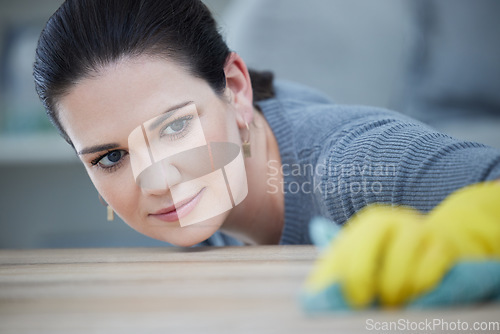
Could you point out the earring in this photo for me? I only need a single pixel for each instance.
(111, 214)
(109, 209)
(246, 144)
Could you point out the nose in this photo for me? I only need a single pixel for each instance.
(158, 178)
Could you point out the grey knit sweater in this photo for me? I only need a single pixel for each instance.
(337, 159)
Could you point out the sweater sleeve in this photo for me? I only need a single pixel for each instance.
(400, 162)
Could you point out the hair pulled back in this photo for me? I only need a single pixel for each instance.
(83, 36)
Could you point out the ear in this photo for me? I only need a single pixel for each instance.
(239, 88)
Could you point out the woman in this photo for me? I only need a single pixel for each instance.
(105, 69)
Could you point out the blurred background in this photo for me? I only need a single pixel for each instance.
(435, 60)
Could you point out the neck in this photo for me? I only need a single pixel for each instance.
(259, 218)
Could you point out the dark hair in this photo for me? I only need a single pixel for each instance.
(85, 35)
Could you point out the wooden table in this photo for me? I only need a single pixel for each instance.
(172, 290)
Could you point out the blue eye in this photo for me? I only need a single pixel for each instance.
(111, 159)
(175, 128)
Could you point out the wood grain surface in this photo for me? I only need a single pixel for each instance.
(174, 290)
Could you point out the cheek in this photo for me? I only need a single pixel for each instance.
(119, 190)
(221, 127)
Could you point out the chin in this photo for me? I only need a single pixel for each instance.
(191, 235)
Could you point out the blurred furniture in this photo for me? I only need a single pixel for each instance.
(435, 60)
(175, 290)
(353, 50)
(452, 80)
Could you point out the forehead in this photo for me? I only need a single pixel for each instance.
(106, 106)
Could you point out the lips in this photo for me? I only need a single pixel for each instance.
(178, 210)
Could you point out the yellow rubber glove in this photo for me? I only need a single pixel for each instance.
(474, 213)
(392, 255)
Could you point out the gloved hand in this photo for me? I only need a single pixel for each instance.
(395, 256)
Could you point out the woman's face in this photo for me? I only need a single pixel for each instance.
(102, 115)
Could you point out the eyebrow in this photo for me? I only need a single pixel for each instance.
(165, 115)
(98, 148)
(106, 147)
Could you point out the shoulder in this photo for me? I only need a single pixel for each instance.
(306, 119)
